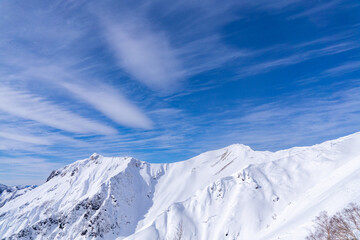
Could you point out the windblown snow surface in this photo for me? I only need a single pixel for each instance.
(231, 193)
(9, 193)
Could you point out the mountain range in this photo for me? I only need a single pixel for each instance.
(230, 193)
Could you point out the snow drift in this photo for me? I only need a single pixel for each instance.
(231, 193)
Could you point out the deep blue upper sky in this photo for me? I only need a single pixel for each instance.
(163, 81)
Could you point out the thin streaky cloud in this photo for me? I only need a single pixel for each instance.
(25, 138)
(171, 80)
(346, 34)
(305, 122)
(209, 53)
(25, 170)
(112, 104)
(315, 10)
(299, 57)
(28, 106)
(101, 96)
(343, 68)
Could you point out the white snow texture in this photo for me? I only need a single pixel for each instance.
(231, 193)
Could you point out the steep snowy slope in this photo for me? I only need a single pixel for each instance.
(275, 199)
(87, 198)
(8, 193)
(109, 197)
(231, 193)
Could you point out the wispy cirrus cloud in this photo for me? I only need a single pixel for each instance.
(101, 96)
(145, 54)
(343, 68)
(313, 119)
(300, 57)
(111, 103)
(316, 9)
(336, 71)
(37, 70)
(32, 107)
(162, 58)
(208, 53)
(165, 81)
(274, 5)
(22, 136)
(25, 138)
(25, 170)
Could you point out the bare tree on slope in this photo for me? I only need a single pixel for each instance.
(344, 225)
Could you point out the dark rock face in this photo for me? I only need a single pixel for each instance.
(4, 187)
(40, 228)
(88, 208)
(53, 174)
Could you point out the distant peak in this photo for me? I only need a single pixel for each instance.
(239, 145)
(94, 156)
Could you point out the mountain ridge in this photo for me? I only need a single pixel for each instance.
(125, 198)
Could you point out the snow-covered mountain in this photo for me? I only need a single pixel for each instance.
(231, 193)
(8, 193)
(3, 188)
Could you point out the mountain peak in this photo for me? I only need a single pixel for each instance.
(235, 190)
(94, 156)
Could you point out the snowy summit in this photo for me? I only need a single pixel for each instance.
(231, 193)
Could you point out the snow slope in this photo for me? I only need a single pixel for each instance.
(8, 193)
(231, 193)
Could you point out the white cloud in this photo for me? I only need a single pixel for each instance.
(145, 54)
(103, 97)
(316, 10)
(25, 138)
(299, 57)
(293, 122)
(344, 68)
(28, 106)
(113, 105)
(25, 170)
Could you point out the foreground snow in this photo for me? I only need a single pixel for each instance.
(231, 193)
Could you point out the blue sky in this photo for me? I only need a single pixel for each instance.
(163, 81)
